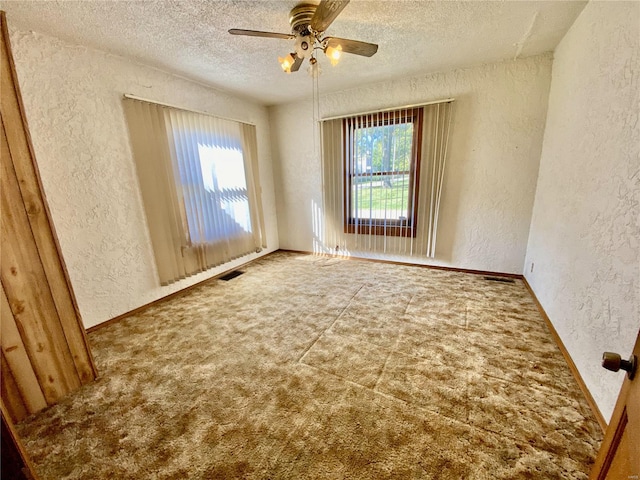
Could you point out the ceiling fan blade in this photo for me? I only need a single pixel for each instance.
(353, 46)
(256, 33)
(297, 62)
(326, 13)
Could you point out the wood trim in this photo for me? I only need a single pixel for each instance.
(28, 293)
(624, 420)
(171, 296)
(568, 359)
(44, 347)
(395, 262)
(46, 238)
(11, 397)
(392, 228)
(603, 461)
(16, 356)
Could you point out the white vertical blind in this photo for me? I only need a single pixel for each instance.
(383, 175)
(198, 176)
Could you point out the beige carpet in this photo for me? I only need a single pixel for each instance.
(315, 368)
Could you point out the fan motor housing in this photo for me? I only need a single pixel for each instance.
(300, 18)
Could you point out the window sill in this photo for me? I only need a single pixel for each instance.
(381, 229)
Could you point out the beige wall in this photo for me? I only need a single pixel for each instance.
(582, 237)
(73, 102)
(584, 245)
(495, 144)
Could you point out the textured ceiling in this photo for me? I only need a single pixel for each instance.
(190, 37)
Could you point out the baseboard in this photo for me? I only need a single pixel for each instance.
(171, 296)
(568, 359)
(395, 262)
(554, 333)
(552, 330)
(185, 290)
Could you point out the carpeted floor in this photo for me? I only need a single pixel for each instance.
(319, 368)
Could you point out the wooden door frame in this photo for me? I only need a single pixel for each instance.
(38, 183)
(617, 426)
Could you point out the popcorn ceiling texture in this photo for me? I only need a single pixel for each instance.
(585, 229)
(73, 102)
(190, 36)
(491, 172)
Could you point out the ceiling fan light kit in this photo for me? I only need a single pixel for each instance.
(286, 63)
(334, 54)
(308, 24)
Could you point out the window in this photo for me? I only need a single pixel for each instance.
(382, 180)
(212, 180)
(382, 171)
(198, 177)
(225, 186)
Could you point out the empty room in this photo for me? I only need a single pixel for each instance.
(328, 239)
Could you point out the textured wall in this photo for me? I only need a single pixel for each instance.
(495, 145)
(72, 97)
(585, 230)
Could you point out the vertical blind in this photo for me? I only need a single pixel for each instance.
(383, 176)
(198, 177)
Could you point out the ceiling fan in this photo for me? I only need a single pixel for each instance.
(308, 24)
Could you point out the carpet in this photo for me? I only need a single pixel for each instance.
(308, 367)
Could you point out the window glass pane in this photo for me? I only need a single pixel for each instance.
(380, 197)
(382, 162)
(385, 148)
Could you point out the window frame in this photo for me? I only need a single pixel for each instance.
(388, 227)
